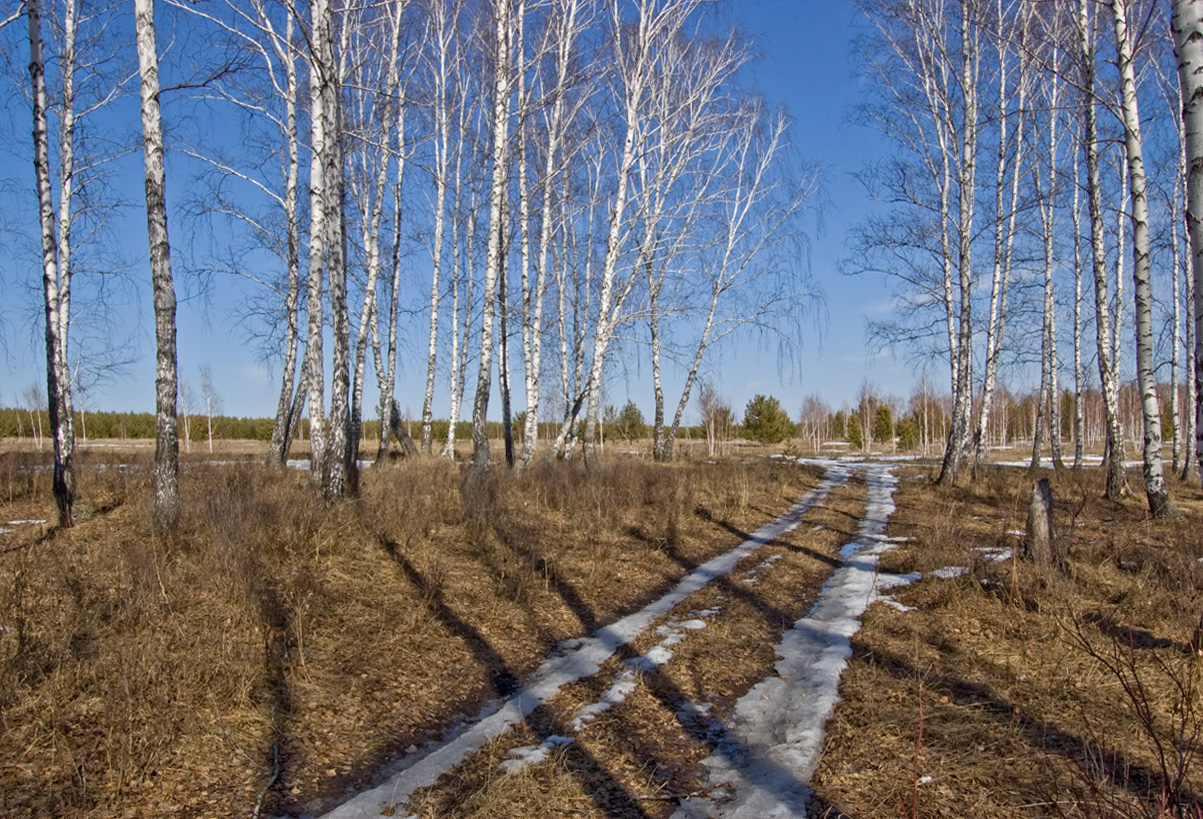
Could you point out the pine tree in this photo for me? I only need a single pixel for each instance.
(855, 436)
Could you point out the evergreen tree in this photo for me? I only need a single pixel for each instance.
(839, 425)
(883, 424)
(855, 436)
(630, 423)
(765, 421)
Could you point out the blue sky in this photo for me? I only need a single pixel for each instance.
(806, 64)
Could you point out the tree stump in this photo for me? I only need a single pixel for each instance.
(1040, 547)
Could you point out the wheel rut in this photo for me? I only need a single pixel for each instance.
(632, 717)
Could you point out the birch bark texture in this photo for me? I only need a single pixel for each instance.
(167, 446)
(1188, 48)
(502, 22)
(1154, 479)
(55, 255)
(1116, 483)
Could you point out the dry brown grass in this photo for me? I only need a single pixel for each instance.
(146, 677)
(1020, 690)
(142, 677)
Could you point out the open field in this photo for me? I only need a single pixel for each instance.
(278, 656)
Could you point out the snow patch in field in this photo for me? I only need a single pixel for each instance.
(565, 665)
(949, 572)
(5, 531)
(25, 522)
(769, 751)
(1047, 463)
(519, 758)
(755, 573)
(886, 580)
(994, 554)
(623, 686)
(303, 464)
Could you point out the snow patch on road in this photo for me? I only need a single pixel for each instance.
(769, 751)
(624, 685)
(570, 662)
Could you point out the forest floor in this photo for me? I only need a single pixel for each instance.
(630, 643)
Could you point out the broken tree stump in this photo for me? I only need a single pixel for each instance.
(1040, 545)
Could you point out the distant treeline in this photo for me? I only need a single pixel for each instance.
(23, 423)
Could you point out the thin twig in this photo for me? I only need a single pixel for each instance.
(270, 782)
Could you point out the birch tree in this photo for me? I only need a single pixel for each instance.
(441, 66)
(500, 131)
(969, 64)
(637, 49)
(1108, 366)
(1187, 27)
(211, 398)
(332, 462)
(380, 105)
(560, 110)
(167, 445)
(248, 193)
(1008, 172)
(1046, 186)
(55, 276)
(927, 61)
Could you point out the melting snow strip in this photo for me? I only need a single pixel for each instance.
(624, 685)
(573, 660)
(768, 752)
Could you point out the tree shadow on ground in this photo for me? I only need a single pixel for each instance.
(1113, 766)
(602, 786)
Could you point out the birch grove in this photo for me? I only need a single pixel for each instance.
(539, 195)
(1058, 117)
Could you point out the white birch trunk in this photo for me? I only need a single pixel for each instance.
(493, 261)
(1114, 462)
(443, 38)
(1176, 317)
(966, 178)
(167, 445)
(315, 376)
(1004, 238)
(1155, 488)
(285, 422)
(1079, 373)
(55, 253)
(1188, 47)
